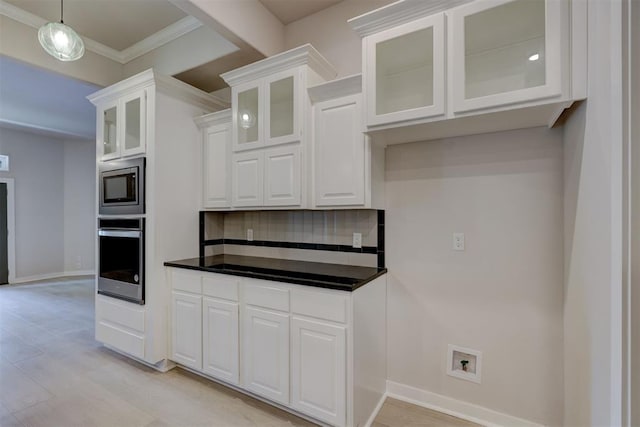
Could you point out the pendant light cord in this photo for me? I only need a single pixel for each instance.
(61, 11)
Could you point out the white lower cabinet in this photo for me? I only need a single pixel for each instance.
(186, 329)
(319, 369)
(318, 352)
(220, 339)
(265, 355)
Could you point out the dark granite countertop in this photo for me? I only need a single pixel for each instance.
(320, 275)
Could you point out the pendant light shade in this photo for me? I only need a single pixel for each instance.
(60, 40)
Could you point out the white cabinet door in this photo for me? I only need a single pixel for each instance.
(282, 176)
(108, 131)
(282, 108)
(248, 116)
(220, 339)
(318, 370)
(217, 166)
(186, 329)
(339, 148)
(405, 67)
(505, 51)
(133, 119)
(265, 353)
(248, 176)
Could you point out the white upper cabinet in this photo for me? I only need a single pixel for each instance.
(269, 100)
(216, 157)
(405, 71)
(122, 128)
(504, 52)
(431, 68)
(347, 170)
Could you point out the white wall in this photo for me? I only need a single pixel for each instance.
(503, 294)
(593, 230)
(329, 32)
(79, 205)
(42, 167)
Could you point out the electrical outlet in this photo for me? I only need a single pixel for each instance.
(79, 262)
(357, 240)
(458, 242)
(250, 234)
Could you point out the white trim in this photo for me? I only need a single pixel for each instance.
(376, 410)
(302, 55)
(48, 276)
(453, 407)
(333, 89)
(218, 118)
(11, 227)
(154, 41)
(162, 37)
(398, 13)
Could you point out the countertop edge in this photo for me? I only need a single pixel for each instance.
(283, 278)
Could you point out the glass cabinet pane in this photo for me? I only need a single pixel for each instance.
(281, 107)
(132, 124)
(505, 48)
(404, 72)
(248, 116)
(110, 131)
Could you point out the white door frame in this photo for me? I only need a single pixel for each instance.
(11, 228)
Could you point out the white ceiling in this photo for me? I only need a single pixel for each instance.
(119, 24)
(45, 101)
(116, 24)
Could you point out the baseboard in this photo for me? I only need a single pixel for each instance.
(453, 407)
(374, 414)
(49, 276)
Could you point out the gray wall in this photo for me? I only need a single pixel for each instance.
(49, 218)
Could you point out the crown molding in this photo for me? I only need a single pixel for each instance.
(162, 37)
(165, 84)
(350, 85)
(154, 41)
(303, 55)
(212, 119)
(399, 13)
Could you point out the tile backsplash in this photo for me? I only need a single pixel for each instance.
(284, 230)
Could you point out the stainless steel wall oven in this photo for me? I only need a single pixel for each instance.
(121, 258)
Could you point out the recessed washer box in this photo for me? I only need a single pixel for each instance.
(464, 363)
(4, 163)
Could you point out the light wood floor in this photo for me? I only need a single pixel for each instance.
(54, 374)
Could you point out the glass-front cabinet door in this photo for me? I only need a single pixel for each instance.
(405, 72)
(123, 127)
(109, 132)
(247, 116)
(134, 127)
(504, 52)
(282, 108)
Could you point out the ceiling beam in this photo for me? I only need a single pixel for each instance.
(247, 23)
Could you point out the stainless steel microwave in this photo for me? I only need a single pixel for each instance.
(121, 187)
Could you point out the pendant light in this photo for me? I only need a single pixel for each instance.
(60, 40)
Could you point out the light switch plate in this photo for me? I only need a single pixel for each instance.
(250, 234)
(357, 240)
(4, 163)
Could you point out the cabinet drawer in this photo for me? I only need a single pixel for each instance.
(185, 280)
(320, 305)
(266, 296)
(220, 286)
(122, 339)
(120, 314)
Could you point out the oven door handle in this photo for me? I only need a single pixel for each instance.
(120, 233)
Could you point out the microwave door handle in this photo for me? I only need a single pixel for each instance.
(120, 233)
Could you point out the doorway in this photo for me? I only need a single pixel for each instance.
(7, 231)
(4, 236)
